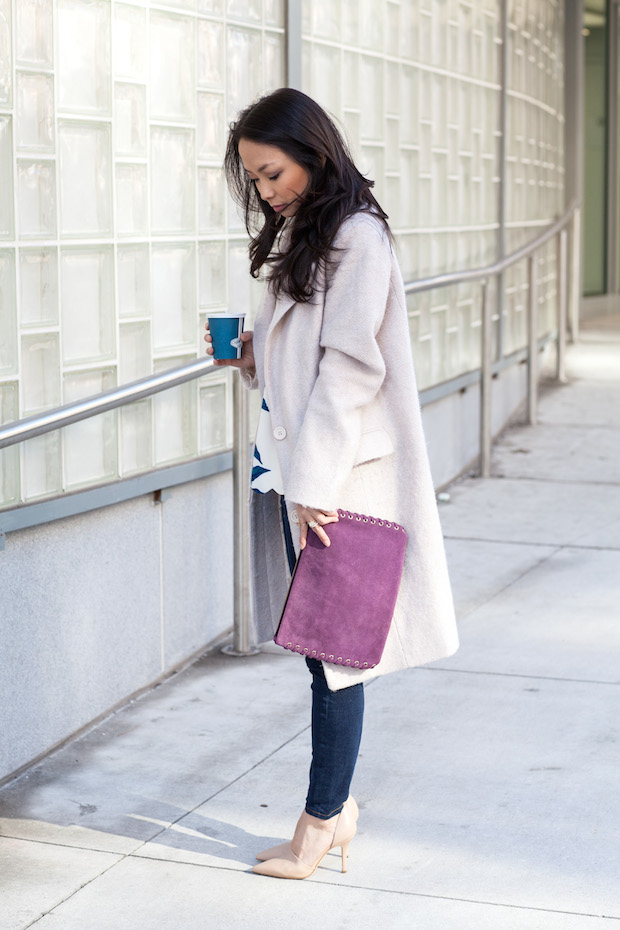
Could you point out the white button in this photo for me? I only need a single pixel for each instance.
(279, 432)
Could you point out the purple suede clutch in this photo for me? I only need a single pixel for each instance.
(341, 598)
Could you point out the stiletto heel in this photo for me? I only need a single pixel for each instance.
(288, 865)
(282, 849)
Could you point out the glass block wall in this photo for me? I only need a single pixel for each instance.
(416, 85)
(116, 234)
(535, 155)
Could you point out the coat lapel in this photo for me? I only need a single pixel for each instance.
(283, 304)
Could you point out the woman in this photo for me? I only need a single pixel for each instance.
(340, 423)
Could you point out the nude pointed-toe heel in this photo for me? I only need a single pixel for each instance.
(277, 852)
(289, 865)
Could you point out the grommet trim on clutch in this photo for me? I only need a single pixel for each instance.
(364, 518)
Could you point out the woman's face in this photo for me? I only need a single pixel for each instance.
(279, 180)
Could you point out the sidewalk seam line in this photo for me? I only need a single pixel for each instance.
(471, 671)
(398, 891)
(523, 542)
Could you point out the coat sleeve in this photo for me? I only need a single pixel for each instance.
(351, 368)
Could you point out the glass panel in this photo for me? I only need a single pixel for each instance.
(172, 181)
(83, 65)
(371, 25)
(174, 296)
(35, 112)
(409, 105)
(210, 200)
(210, 126)
(213, 419)
(247, 10)
(393, 29)
(326, 80)
(210, 54)
(275, 67)
(134, 351)
(133, 280)
(87, 304)
(212, 274)
(350, 79)
(40, 372)
(85, 181)
(38, 286)
(129, 42)
(326, 19)
(244, 70)
(175, 417)
(136, 437)
(392, 201)
(181, 4)
(89, 446)
(8, 342)
(131, 208)
(239, 280)
(213, 7)
(350, 24)
(42, 466)
(392, 146)
(5, 52)
(9, 458)
(6, 178)
(171, 85)
(36, 193)
(130, 119)
(275, 12)
(35, 32)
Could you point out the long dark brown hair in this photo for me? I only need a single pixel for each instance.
(295, 123)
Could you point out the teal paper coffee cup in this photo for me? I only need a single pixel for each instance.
(226, 329)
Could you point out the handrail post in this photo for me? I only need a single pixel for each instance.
(562, 304)
(532, 341)
(485, 382)
(574, 278)
(241, 645)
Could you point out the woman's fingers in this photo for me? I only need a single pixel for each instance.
(315, 520)
(247, 353)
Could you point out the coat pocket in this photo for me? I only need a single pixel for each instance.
(374, 444)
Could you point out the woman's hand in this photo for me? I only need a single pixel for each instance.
(247, 352)
(307, 516)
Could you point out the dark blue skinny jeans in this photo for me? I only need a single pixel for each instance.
(337, 718)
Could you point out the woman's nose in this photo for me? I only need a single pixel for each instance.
(266, 191)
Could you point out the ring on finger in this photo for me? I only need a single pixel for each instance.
(313, 523)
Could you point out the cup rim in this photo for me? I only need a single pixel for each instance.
(223, 314)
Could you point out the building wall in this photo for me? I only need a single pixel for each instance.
(100, 605)
(116, 238)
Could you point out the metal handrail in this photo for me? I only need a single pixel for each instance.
(567, 297)
(41, 423)
(568, 278)
(498, 267)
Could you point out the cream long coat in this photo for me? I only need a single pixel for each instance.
(345, 413)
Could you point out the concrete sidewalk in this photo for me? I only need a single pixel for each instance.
(487, 784)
